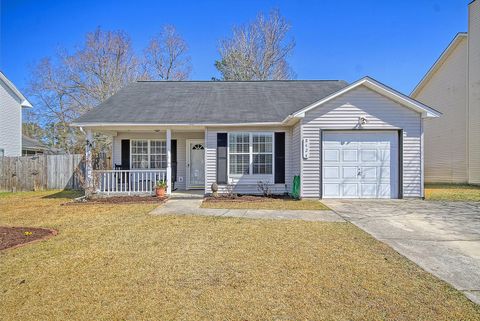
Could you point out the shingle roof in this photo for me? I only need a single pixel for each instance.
(33, 144)
(207, 102)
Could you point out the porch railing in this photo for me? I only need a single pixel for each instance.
(127, 181)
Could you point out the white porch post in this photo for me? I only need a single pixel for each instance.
(88, 163)
(169, 162)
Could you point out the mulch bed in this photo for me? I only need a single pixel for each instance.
(11, 237)
(119, 200)
(246, 198)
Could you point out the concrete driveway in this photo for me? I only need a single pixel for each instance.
(441, 237)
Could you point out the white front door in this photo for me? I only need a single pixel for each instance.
(195, 164)
(360, 164)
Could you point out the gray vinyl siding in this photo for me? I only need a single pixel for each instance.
(11, 126)
(181, 138)
(247, 184)
(381, 113)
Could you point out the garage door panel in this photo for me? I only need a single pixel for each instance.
(331, 172)
(369, 190)
(369, 172)
(331, 155)
(350, 189)
(350, 155)
(366, 161)
(349, 172)
(331, 190)
(368, 155)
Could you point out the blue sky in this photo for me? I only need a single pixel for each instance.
(393, 41)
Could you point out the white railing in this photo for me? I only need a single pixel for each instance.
(135, 181)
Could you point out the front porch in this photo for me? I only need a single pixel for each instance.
(140, 158)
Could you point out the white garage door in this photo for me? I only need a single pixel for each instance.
(360, 164)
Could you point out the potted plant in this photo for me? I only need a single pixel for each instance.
(160, 188)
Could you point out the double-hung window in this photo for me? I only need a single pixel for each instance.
(148, 154)
(250, 153)
(262, 153)
(239, 153)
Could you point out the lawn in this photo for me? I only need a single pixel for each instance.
(452, 192)
(264, 204)
(117, 262)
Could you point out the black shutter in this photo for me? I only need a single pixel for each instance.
(125, 154)
(279, 158)
(222, 158)
(174, 160)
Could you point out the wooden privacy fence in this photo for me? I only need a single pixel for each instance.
(32, 173)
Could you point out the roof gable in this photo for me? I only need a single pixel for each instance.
(447, 53)
(23, 101)
(380, 88)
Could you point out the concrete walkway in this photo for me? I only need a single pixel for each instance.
(191, 206)
(441, 237)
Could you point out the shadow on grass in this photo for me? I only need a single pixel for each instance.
(67, 193)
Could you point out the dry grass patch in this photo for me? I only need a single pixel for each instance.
(117, 262)
(452, 192)
(262, 203)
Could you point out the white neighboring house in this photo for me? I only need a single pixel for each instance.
(363, 140)
(452, 85)
(11, 104)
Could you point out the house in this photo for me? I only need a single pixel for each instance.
(11, 104)
(452, 85)
(32, 147)
(363, 140)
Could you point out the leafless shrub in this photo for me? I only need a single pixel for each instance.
(229, 191)
(264, 187)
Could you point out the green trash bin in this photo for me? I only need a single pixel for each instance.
(296, 187)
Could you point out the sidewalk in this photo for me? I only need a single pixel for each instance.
(192, 207)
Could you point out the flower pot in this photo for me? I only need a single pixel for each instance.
(160, 192)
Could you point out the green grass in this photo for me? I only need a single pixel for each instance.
(271, 204)
(452, 192)
(117, 262)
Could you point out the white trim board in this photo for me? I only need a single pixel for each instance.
(438, 63)
(381, 89)
(24, 102)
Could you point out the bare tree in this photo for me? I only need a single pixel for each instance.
(103, 66)
(166, 57)
(257, 51)
(71, 84)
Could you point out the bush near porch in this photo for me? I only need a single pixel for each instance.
(116, 262)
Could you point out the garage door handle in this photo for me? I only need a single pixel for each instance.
(359, 172)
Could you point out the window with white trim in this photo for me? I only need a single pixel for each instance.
(239, 153)
(250, 153)
(158, 154)
(148, 154)
(262, 162)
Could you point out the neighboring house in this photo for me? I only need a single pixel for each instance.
(363, 140)
(31, 147)
(11, 104)
(452, 85)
